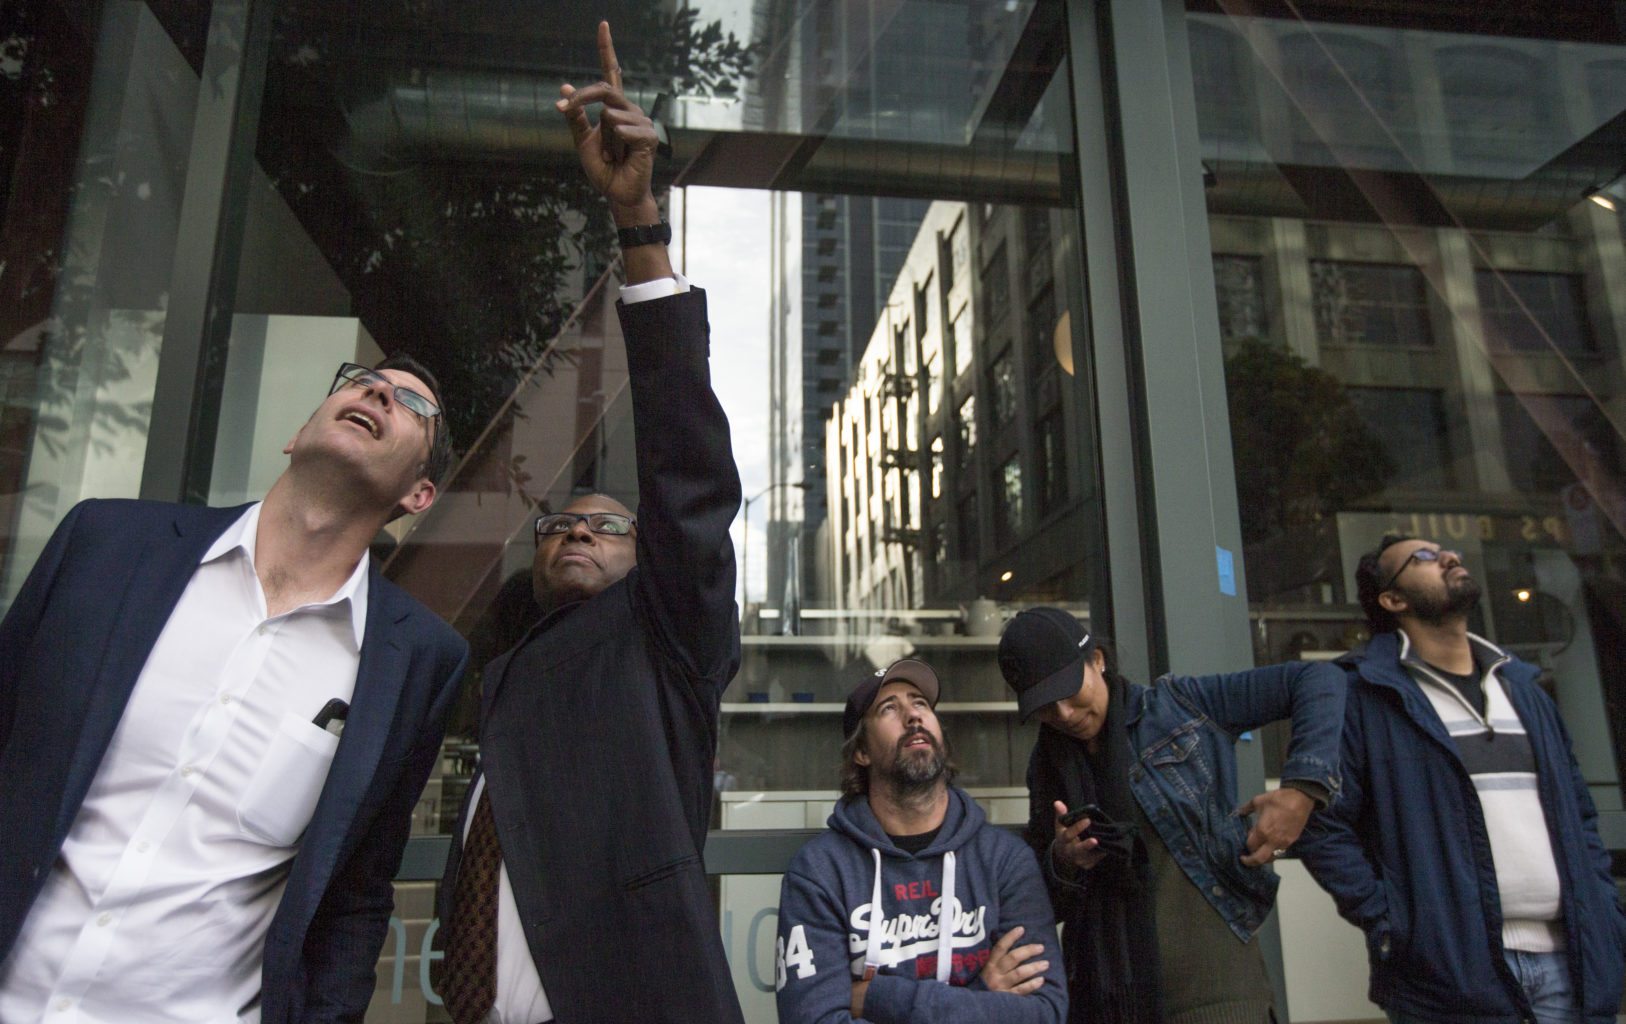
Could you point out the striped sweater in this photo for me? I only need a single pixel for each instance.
(1496, 752)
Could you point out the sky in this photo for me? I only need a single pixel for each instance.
(728, 254)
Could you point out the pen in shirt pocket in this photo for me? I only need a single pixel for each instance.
(333, 711)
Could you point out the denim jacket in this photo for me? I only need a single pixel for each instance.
(1183, 730)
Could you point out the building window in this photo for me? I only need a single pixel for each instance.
(1002, 390)
(1552, 441)
(940, 543)
(1051, 434)
(1410, 426)
(937, 467)
(1524, 311)
(1008, 502)
(968, 432)
(965, 517)
(1239, 289)
(996, 288)
(1042, 332)
(960, 344)
(920, 308)
(1370, 304)
(945, 261)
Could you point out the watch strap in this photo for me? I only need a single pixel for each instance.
(644, 234)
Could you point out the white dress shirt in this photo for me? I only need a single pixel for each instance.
(158, 904)
(520, 997)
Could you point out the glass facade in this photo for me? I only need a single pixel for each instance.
(1418, 312)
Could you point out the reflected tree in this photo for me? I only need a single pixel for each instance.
(1302, 454)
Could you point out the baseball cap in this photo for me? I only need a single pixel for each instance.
(1042, 657)
(907, 670)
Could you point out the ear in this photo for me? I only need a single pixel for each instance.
(862, 757)
(288, 449)
(1098, 658)
(1393, 602)
(418, 499)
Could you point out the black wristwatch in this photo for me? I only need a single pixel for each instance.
(644, 234)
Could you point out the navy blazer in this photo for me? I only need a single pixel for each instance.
(71, 648)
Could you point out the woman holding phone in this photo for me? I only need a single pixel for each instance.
(1153, 868)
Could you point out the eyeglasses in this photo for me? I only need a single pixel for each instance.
(352, 375)
(612, 524)
(1420, 555)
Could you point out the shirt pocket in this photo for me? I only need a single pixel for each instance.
(281, 797)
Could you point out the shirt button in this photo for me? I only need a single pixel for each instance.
(225, 698)
(1217, 891)
(143, 846)
(188, 770)
(264, 629)
(63, 1004)
(105, 919)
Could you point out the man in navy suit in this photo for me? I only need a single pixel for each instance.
(214, 724)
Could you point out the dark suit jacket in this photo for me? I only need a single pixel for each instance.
(597, 732)
(71, 648)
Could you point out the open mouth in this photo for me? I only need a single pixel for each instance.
(362, 420)
(918, 741)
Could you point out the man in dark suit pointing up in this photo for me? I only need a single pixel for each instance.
(576, 889)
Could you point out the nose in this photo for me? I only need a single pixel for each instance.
(1449, 560)
(579, 531)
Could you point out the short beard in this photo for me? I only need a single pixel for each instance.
(910, 777)
(1460, 598)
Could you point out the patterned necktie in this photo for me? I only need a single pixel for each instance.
(471, 942)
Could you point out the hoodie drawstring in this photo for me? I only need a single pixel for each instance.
(872, 951)
(945, 922)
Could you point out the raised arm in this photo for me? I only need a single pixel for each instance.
(1312, 695)
(688, 485)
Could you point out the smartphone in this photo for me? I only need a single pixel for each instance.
(1077, 814)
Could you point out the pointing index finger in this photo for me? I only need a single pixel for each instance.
(606, 56)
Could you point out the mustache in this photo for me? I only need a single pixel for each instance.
(919, 731)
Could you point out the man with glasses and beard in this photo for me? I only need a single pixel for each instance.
(913, 907)
(1464, 843)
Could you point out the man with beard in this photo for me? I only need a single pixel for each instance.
(1464, 843)
(913, 907)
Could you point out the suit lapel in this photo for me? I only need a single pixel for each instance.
(151, 591)
(380, 678)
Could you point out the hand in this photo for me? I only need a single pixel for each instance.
(618, 153)
(1006, 970)
(859, 989)
(1070, 846)
(1282, 814)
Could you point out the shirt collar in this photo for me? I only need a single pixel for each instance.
(1486, 655)
(242, 534)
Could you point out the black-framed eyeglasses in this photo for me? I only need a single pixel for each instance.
(352, 374)
(1420, 555)
(612, 524)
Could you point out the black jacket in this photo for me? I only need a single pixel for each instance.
(597, 732)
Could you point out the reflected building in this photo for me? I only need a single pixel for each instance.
(949, 472)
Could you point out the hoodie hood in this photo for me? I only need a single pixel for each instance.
(854, 819)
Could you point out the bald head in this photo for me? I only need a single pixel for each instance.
(580, 563)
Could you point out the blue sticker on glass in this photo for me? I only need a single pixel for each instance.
(1227, 571)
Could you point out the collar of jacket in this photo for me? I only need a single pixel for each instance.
(1378, 664)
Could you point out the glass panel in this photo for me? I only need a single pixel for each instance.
(96, 114)
(873, 198)
(1424, 331)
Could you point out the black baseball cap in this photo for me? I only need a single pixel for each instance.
(907, 670)
(1042, 657)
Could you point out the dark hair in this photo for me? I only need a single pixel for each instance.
(855, 776)
(439, 462)
(1369, 584)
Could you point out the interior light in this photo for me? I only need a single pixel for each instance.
(1522, 594)
(1005, 577)
(1600, 197)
